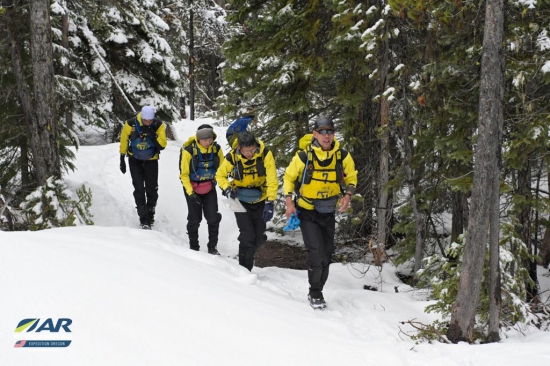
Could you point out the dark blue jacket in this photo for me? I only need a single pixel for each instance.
(239, 125)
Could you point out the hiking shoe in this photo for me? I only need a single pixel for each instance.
(195, 248)
(213, 251)
(151, 216)
(146, 226)
(317, 303)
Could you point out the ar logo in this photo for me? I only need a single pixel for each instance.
(47, 325)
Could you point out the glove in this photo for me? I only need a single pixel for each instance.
(194, 196)
(268, 211)
(122, 164)
(292, 224)
(230, 193)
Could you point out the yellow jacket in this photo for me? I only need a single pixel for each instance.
(187, 157)
(250, 178)
(317, 188)
(129, 132)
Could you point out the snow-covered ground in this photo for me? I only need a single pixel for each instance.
(137, 297)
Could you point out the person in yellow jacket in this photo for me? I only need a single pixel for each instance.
(326, 177)
(251, 167)
(200, 158)
(142, 138)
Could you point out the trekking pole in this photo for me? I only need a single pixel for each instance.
(112, 77)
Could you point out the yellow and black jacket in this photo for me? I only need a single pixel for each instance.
(134, 136)
(257, 172)
(193, 168)
(321, 180)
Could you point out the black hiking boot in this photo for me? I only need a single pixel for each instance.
(151, 216)
(317, 303)
(146, 226)
(213, 251)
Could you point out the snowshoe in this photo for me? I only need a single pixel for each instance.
(317, 303)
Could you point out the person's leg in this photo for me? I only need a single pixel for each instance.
(260, 237)
(313, 240)
(328, 224)
(138, 181)
(213, 218)
(151, 187)
(247, 237)
(194, 218)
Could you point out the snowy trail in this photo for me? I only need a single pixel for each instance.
(347, 299)
(269, 306)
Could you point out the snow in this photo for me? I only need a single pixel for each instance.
(139, 297)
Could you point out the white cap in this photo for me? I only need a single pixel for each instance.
(147, 112)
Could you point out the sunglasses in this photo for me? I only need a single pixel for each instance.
(325, 132)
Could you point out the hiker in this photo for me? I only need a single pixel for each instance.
(142, 138)
(200, 158)
(240, 125)
(325, 177)
(254, 183)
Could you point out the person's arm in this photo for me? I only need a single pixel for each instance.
(351, 182)
(124, 138)
(292, 172)
(184, 171)
(223, 171)
(160, 140)
(271, 176)
(220, 155)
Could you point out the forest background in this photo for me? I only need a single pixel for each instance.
(403, 80)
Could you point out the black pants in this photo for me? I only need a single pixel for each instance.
(318, 233)
(208, 204)
(145, 175)
(252, 232)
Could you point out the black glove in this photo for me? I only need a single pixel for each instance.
(194, 196)
(230, 193)
(122, 164)
(268, 211)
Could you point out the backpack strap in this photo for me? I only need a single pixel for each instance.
(308, 156)
(194, 150)
(239, 168)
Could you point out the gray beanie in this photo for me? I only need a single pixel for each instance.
(205, 132)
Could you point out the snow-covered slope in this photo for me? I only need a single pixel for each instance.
(138, 297)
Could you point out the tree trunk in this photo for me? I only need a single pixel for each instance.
(191, 65)
(457, 225)
(491, 96)
(545, 249)
(66, 106)
(24, 165)
(382, 211)
(524, 230)
(22, 88)
(418, 217)
(44, 131)
(495, 296)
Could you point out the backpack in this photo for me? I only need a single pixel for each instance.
(143, 148)
(238, 171)
(202, 166)
(308, 157)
